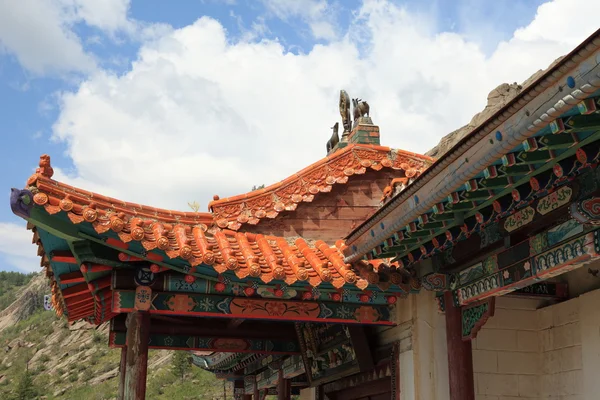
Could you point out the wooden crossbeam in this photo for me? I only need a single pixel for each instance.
(63, 257)
(202, 305)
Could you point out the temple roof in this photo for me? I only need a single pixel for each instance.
(192, 238)
(317, 178)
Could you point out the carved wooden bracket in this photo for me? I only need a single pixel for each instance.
(587, 211)
(475, 315)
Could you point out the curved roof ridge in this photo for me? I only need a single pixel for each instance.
(61, 196)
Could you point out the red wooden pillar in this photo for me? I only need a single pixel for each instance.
(283, 387)
(460, 358)
(122, 365)
(138, 336)
(256, 395)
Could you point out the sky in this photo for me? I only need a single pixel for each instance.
(166, 103)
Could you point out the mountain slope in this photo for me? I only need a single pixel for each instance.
(74, 361)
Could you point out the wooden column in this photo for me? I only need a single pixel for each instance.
(283, 387)
(460, 358)
(256, 395)
(121, 394)
(138, 335)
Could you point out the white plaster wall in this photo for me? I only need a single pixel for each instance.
(589, 318)
(506, 359)
(561, 351)
(307, 394)
(552, 353)
(423, 353)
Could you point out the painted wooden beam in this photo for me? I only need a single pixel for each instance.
(545, 290)
(203, 343)
(174, 282)
(136, 365)
(71, 277)
(75, 290)
(548, 254)
(200, 305)
(91, 268)
(216, 328)
(63, 257)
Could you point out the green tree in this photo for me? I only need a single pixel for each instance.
(180, 363)
(25, 388)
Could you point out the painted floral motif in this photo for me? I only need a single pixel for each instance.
(230, 344)
(366, 314)
(343, 313)
(273, 308)
(206, 305)
(519, 219)
(181, 303)
(554, 200)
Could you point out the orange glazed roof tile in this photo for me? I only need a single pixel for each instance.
(190, 236)
(317, 178)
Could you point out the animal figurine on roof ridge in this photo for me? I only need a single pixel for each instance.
(360, 109)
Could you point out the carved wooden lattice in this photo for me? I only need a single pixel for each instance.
(474, 316)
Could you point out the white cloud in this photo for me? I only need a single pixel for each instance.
(200, 114)
(107, 15)
(39, 33)
(318, 14)
(16, 247)
(35, 32)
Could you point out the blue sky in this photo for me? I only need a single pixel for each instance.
(220, 90)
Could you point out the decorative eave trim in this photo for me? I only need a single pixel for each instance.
(515, 122)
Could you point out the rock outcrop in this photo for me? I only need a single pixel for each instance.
(497, 99)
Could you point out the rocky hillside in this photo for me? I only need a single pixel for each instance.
(45, 357)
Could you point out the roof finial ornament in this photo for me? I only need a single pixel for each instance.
(45, 169)
(345, 113)
(334, 139)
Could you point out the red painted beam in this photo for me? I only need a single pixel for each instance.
(82, 307)
(71, 277)
(127, 258)
(75, 290)
(99, 284)
(91, 268)
(103, 294)
(80, 298)
(63, 257)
